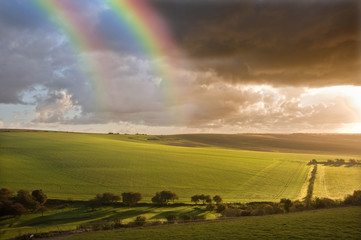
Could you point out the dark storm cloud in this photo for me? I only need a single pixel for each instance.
(300, 43)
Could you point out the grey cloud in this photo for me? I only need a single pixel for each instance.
(305, 43)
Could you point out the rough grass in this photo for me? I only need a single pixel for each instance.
(340, 223)
(80, 165)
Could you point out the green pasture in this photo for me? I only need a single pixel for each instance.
(338, 223)
(69, 216)
(77, 166)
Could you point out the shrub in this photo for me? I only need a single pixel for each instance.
(245, 213)
(277, 209)
(210, 207)
(298, 206)
(258, 212)
(268, 209)
(171, 218)
(232, 212)
(287, 203)
(354, 199)
(323, 203)
(186, 217)
(118, 223)
(221, 208)
(140, 221)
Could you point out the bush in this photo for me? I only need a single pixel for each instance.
(258, 212)
(221, 208)
(287, 203)
(298, 206)
(268, 209)
(118, 223)
(171, 218)
(140, 221)
(277, 209)
(323, 203)
(154, 223)
(245, 213)
(186, 217)
(354, 199)
(210, 207)
(232, 212)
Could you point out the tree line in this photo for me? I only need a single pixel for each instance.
(24, 201)
(21, 202)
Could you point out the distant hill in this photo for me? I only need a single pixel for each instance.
(296, 143)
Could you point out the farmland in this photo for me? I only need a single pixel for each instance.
(74, 165)
(246, 168)
(336, 182)
(340, 223)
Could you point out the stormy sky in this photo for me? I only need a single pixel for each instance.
(242, 66)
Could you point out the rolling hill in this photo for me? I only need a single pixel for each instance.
(76, 165)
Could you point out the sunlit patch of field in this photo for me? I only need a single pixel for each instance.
(337, 182)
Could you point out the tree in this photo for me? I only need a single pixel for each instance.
(217, 199)
(164, 197)
(107, 198)
(287, 203)
(195, 198)
(17, 209)
(6, 200)
(24, 198)
(205, 198)
(39, 196)
(131, 198)
(6, 194)
(94, 203)
(157, 198)
(173, 196)
(42, 209)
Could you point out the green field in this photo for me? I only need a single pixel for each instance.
(336, 182)
(74, 165)
(339, 223)
(59, 217)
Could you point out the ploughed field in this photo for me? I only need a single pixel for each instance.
(77, 166)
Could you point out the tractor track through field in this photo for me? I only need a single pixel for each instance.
(322, 181)
(292, 176)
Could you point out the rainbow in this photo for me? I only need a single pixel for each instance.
(141, 21)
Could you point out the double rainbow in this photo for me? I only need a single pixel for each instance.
(141, 21)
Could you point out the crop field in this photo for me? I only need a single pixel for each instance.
(337, 182)
(339, 223)
(73, 165)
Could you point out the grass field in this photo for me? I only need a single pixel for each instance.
(339, 223)
(69, 217)
(80, 165)
(336, 182)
